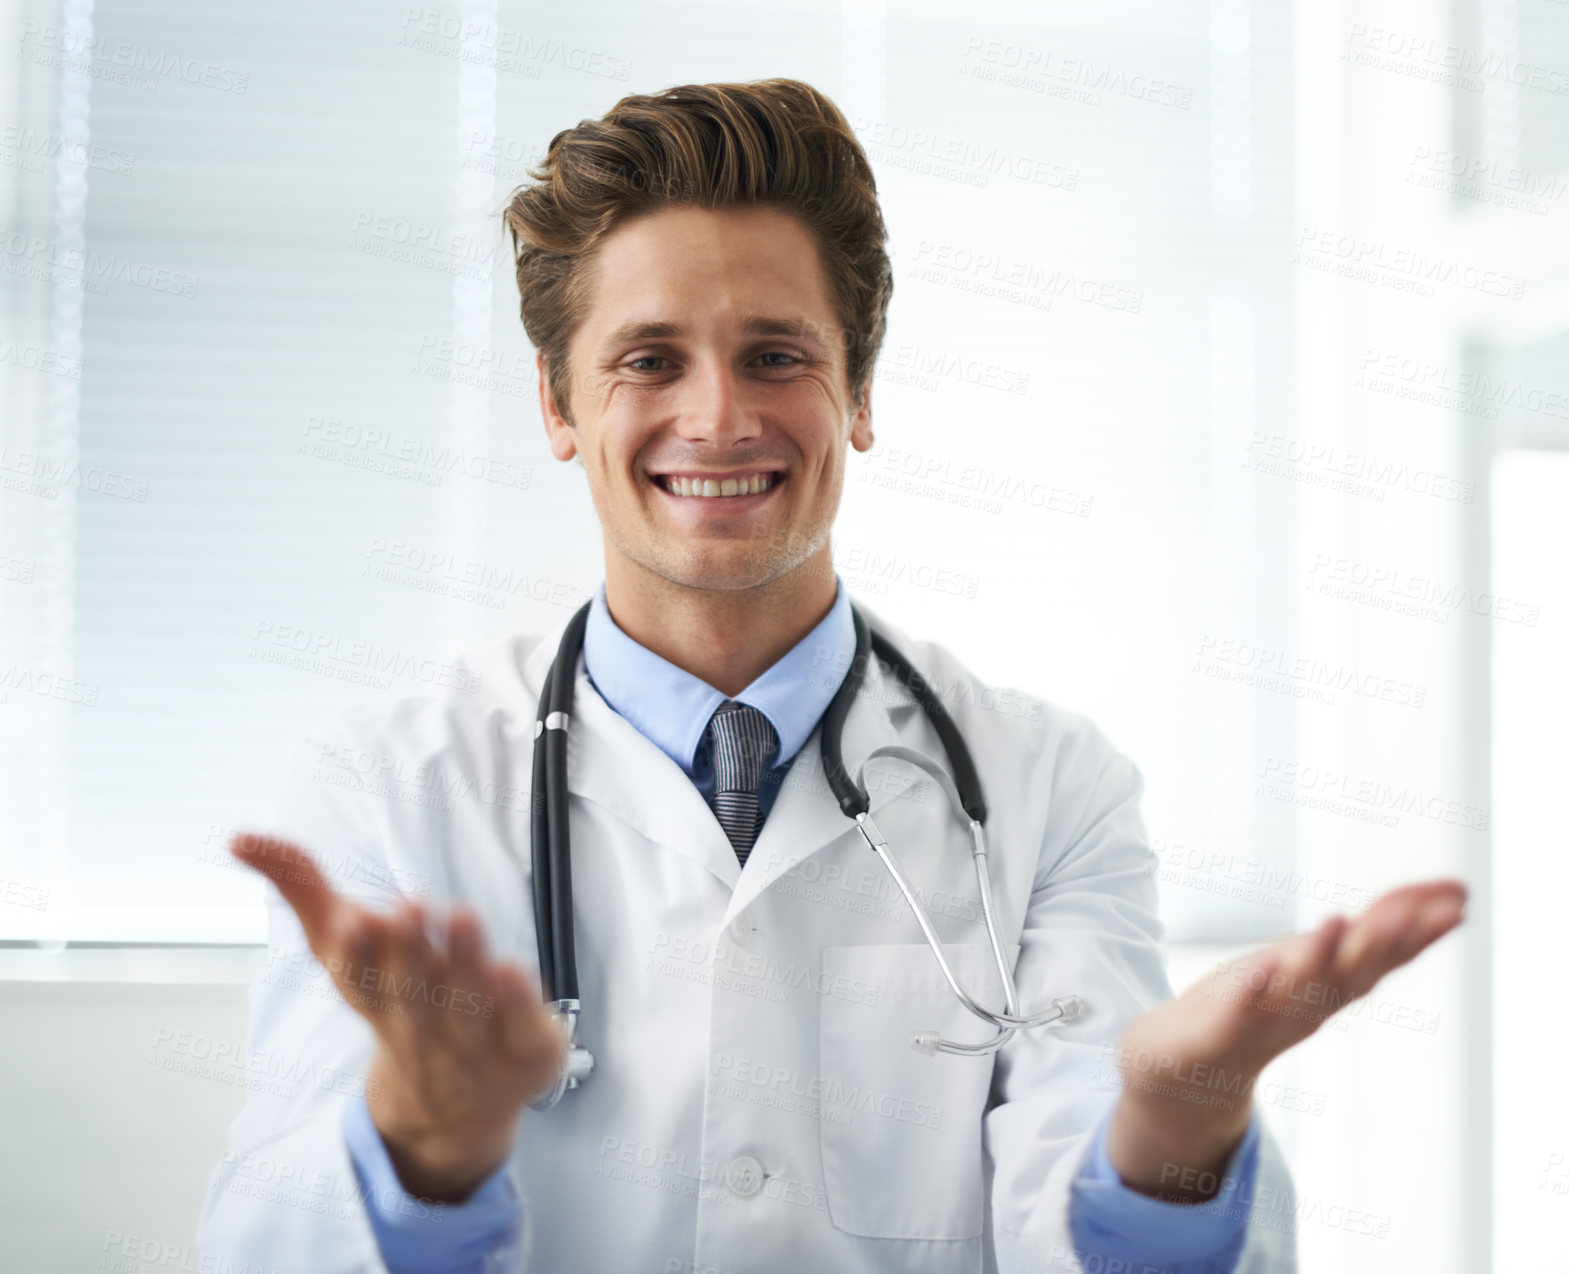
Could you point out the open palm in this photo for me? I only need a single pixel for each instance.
(1213, 1040)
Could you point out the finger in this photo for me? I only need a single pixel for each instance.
(1438, 915)
(296, 876)
(1312, 979)
(471, 980)
(1330, 934)
(465, 942)
(1424, 890)
(1419, 896)
(367, 943)
(1395, 929)
(1306, 955)
(1287, 987)
(520, 1012)
(1316, 958)
(1365, 954)
(412, 969)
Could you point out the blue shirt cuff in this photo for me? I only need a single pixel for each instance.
(420, 1237)
(1112, 1222)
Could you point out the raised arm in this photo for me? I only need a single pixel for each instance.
(423, 1051)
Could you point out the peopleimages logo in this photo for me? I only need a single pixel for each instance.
(32, 150)
(34, 256)
(939, 477)
(1367, 798)
(277, 643)
(1050, 70)
(1422, 378)
(505, 48)
(1399, 266)
(125, 62)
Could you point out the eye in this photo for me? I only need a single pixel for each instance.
(790, 355)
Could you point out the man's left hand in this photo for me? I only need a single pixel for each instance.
(1215, 1039)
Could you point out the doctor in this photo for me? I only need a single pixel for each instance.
(704, 278)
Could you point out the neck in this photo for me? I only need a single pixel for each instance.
(726, 637)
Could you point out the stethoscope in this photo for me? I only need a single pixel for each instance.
(553, 867)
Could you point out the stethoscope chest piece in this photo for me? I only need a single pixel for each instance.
(579, 1060)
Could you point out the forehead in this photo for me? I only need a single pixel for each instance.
(687, 267)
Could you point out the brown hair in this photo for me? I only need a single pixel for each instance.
(776, 142)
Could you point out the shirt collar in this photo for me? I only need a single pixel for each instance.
(671, 707)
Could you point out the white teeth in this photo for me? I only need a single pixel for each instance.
(710, 488)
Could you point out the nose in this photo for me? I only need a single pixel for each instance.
(714, 405)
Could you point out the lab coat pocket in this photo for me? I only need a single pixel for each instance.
(900, 1130)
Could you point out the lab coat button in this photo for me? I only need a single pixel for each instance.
(742, 929)
(744, 1176)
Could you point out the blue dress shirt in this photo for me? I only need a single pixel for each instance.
(671, 708)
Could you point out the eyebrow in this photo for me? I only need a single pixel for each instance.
(752, 324)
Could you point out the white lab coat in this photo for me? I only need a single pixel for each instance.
(755, 1105)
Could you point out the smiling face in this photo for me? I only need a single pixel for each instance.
(709, 398)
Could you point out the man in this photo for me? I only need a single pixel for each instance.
(704, 279)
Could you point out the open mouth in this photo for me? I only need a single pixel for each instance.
(731, 486)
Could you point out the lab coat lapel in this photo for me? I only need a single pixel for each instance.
(610, 762)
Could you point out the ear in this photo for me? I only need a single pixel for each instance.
(563, 438)
(861, 422)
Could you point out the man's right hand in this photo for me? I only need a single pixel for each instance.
(463, 1042)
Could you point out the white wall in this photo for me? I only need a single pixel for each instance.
(104, 1142)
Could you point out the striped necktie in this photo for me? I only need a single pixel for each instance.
(743, 742)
